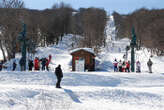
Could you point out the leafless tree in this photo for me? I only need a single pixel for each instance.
(10, 25)
(12, 4)
(148, 25)
(93, 22)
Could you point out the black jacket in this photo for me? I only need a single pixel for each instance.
(149, 63)
(58, 72)
(30, 63)
(44, 60)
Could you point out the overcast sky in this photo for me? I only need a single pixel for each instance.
(121, 6)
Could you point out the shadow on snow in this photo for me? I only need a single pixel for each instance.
(72, 95)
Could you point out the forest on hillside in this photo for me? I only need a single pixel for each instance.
(149, 28)
(47, 27)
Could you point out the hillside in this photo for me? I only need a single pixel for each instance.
(99, 90)
(148, 24)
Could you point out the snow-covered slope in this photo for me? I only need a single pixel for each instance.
(104, 60)
(81, 91)
(100, 90)
(115, 49)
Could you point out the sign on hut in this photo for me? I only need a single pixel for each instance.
(83, 59)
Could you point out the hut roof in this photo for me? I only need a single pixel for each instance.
(90, 50)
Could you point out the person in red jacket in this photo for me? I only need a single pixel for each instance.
(123, 66)
(127, 66)
(50, 57)
(48, 62)
(115, 63)
(36, 64)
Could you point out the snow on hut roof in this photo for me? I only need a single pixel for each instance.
(90, 50)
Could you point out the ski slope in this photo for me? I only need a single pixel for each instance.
(99, 90)
(81, 91)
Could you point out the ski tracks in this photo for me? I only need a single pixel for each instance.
(34, 97)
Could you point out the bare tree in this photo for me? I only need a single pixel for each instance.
(148, 25)
(93, 26)
(12, 4)
(10, 25)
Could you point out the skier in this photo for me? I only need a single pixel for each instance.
(44, 61)
(120, 66)
(21, 63)
(115, 63)
(59, 75)
(48, 62)
(14, 65)
(30, 65)
(36, 64)
(123, 66)
(1, 65)
(127, 66)
(138, 67)
(149, 64)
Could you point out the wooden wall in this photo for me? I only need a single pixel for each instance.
(89, 59)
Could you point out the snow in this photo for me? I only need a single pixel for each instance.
(81, 91)
(99, 90)
(90, 50)
(1, 55)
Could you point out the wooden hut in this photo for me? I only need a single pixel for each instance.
(83, 59)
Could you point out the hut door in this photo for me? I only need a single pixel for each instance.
(79, 66)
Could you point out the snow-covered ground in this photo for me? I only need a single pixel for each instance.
(100, 90)
(81, 91)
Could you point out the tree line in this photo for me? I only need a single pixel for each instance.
(47, 27)
(148, 24)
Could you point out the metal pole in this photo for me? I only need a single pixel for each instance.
(133, 44)
(24, 46)
(22, 39)
(132, 59)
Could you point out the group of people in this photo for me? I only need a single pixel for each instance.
(121, 66)
(44, 62)
(118, 66)
(125, 66)
(37, 64)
